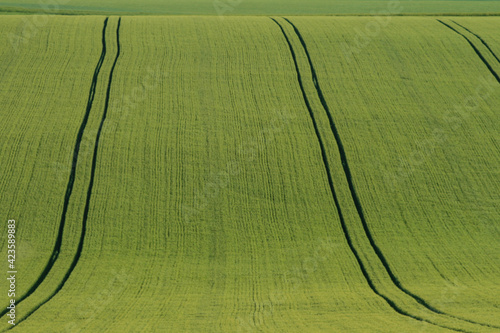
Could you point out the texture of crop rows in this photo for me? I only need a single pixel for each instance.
(218, 181)
(487, 29)
(44, 81)
(421, 132)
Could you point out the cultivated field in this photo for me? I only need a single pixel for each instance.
(252, 174)
(252, 7)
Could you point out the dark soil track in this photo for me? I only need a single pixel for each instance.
(58, 244)
(345, 229)
(71, 181)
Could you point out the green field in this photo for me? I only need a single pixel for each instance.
(252, 173)
(252, 7)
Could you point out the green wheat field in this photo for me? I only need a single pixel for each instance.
(250, 166)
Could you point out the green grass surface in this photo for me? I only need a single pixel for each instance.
(42, 101)
(250, 7)
(211, 208)
(424, 76)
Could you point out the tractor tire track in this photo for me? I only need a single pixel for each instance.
(482, 40)
(355, 196)
(479, 54)
(348, 174)
(345, 230)
(69, 188)
(89, 190)
(498, 79)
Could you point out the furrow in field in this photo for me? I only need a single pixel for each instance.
(478, 52)
(41, 93)
(489, 65)
(432, 314)
(372, 139)
(481, 39)
(328, 169)
(260, 251)
(349, 178)
(71, 181)
(207, 213)
(485, 29)
(93, 169)
(353, 191)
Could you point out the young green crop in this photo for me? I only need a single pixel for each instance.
(44, 78)
(211, 207)
(250, 7)
(415, 106)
